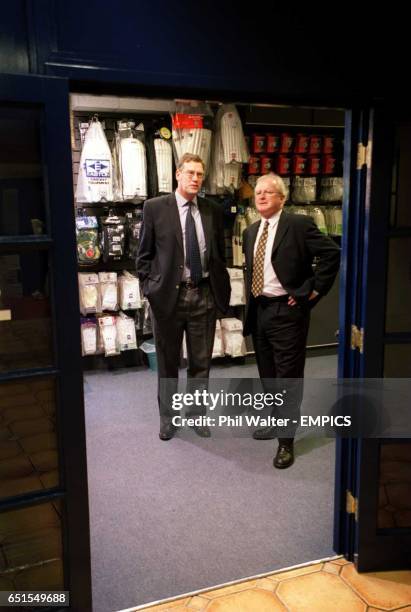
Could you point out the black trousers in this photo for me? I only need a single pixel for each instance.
(280, 336)
(195, 315)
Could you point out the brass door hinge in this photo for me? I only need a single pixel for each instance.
(364, 155)
(357, 338)
(351, 504)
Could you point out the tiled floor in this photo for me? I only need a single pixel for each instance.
(332, 585)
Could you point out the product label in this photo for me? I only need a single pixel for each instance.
(187, 122)
(97, 168)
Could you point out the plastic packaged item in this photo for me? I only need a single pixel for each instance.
(286, 142)
(254, 165)
(333, 217)
(232, 332)
(89, 293)
(218, 346)
(313, 164)
(108, 290)
(192, 129)
(112, 237)
(88, 336)
(304, 189)
(129, 291)
(147, 324)
(108, 330)
(328, 144)
(95, 178)
(319, 219)
(126, 332)
(88, 249)
(237, 297)
(149, 348)
(133, 225)
(332, 189)
(301, 210)
(240, 224)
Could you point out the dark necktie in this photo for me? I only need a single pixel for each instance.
(193, 259)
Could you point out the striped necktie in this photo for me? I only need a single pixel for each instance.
(258, 266)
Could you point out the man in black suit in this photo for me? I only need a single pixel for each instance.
(181, 265)
(282, 286)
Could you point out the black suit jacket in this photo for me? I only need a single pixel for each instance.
(160, 258)
(297, 242)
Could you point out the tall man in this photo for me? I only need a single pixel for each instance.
(282, 286)
(181, 265)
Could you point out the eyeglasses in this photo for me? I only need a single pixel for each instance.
(191, 174)
(269, 193)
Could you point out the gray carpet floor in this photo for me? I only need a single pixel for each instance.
(167, 518)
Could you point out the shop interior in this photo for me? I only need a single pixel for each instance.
(172, 518)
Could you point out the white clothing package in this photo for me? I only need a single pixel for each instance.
(95, 178)
(232, 330)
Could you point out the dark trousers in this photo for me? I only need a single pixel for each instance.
(280, 336)
(195, 315)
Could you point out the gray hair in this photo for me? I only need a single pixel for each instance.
(277, 180)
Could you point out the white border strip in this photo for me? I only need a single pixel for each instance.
(226, 584)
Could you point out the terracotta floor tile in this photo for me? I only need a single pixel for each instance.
(387, 590)
(320, 592)
(331, 568)
(247, 601)
(197, 603)
(301, 571)
(234, 588)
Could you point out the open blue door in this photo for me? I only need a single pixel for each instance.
(373, 477)
(43, 477)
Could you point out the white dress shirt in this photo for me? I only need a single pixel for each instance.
(272, 286)
(182, 211)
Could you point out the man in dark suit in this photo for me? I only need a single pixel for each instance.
(282, 286)
(181, 265)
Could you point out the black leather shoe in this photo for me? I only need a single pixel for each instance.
(284, 457)
(202, 430)
(167, 431)
(265, 433)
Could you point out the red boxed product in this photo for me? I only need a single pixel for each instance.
(286, 144)
(328, 144)
(315, 145)
(273, 143)
(258, 143)
(283, 164)
(301, 143)
(299, 164)
(266, 165)
(313, 165)
(328, 164)
(254, 165)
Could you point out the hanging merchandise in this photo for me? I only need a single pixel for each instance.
(112, 237)
(218, 346)
(88, 336)
(192, 123)
(332, 189)
(333, 218)
(87, 239)
(164, 162)
(126, 332)
(131, 159)
(229, 152)
(129, 291)
(237, 297)
(252, 215)
(302, 209)
(319, 218)
(108, 330)
(159, 156)
(134, 222)
(95, 178)
(304, 190)
(147, 325)
(89, 292)
(240, 224)
(108, 290)
(232, 331)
